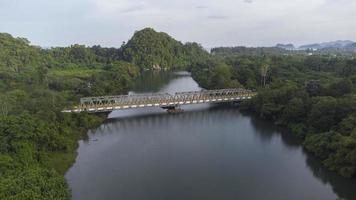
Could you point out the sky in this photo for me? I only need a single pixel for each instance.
(209, 22)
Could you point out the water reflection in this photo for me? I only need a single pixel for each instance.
(345, 188)
(263, 131)
(207, 152)
(197, 116)
(268, 130)
(154, 81)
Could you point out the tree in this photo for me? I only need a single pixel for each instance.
(34, 184)
(322, 114)
(5, 105)
(340, 88)
(42, 74)
(264, 73)
(295, 110)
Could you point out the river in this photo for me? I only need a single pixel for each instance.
(209, 152)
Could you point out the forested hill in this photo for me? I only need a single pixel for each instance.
(147, 49)
(37, 141)
(157, 50)
(312, 95)
(16, 53)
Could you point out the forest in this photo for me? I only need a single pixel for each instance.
(311, 95)
(37, 140)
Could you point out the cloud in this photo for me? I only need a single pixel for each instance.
(119, 6)
(248, 1)
(134, 8)
(209, 22)
(200, 7)
(218, 17)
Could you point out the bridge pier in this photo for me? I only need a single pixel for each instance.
(236, 103)
(173, 109)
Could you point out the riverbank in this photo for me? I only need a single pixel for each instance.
(325, 133)
(316, 104)
(62, 161)
(150, 154)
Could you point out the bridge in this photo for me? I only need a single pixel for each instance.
(164, 100)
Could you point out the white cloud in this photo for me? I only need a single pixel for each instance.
(210, 22)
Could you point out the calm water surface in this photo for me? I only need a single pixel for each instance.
(207, 152)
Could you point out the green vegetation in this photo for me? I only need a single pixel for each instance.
(248, 51)
(149, 49)
(37, 141)
(313, 96)
(280, 50)
(214, 73)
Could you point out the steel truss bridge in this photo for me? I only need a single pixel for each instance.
(163, 100)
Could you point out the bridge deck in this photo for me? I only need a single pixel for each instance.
(110, 103)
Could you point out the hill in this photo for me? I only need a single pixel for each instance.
(339, 44)
(157, 50)
(286, 46)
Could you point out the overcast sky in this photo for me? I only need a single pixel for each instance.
(209, 22)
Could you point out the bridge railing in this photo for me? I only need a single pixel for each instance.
(89, 102)
(161, 98)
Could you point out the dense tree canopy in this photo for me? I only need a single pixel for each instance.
(37, 141)
(152, 50)
(311, 95)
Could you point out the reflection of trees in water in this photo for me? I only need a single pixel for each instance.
(85, 137)
(153, 81)
(190, 118)
(266, 130)
(344, 188)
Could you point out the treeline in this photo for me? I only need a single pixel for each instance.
(147, 49)
(248, 51)
(37, 141)
(278, 51)
(311, 95)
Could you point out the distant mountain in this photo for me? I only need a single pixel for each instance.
(351, 46)
(310, 46)
(286, 46)
(339, 44)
